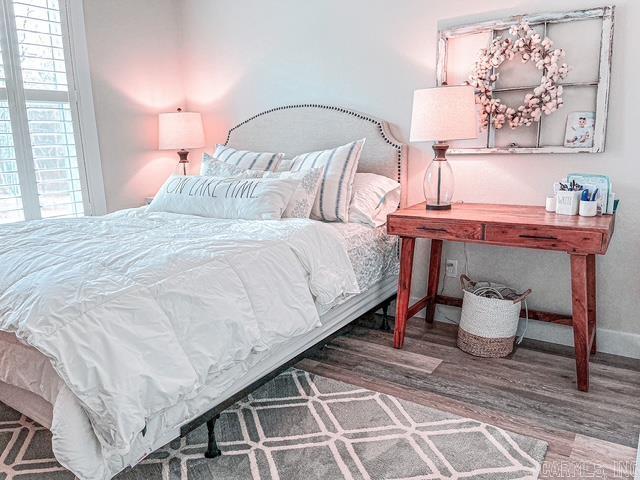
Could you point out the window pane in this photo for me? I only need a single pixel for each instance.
(2, 77)
(10, 194)
(55, 161)
(40, 44)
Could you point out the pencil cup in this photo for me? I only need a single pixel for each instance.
(588, 208)
(550, 204)
(567, 202)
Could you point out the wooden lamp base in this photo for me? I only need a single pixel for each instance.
(183, 154)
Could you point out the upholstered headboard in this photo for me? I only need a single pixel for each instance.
(296, 129)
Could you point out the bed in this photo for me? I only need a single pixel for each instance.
(30, 383)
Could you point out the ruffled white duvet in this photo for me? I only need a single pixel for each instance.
(140, 313)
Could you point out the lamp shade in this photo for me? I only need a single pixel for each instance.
(444, 113)
(180, 130)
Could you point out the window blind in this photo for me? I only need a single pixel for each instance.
(40, 169)
(10, 194)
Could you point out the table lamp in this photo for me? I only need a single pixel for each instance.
(180, 131)
(441, 114)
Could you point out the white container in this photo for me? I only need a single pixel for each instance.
(588, 208)
(568, 202)
(550, 204)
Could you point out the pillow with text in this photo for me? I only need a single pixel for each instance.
(217, 197)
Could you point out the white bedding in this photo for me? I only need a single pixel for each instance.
(142, 335)
(372, 252)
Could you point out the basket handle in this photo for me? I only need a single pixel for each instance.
(522, 297)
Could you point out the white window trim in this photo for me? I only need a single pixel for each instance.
(84, 119)
(79, 69)
(19, 123)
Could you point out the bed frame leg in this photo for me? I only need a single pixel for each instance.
(385, 316)
(212, 447)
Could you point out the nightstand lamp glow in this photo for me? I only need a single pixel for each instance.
(180, 131)
(441, 114)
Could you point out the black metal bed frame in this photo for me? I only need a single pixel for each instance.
(211, 416)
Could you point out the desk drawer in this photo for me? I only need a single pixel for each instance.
(419, 227)
(546, 238)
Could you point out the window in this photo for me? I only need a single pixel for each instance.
(42, 172)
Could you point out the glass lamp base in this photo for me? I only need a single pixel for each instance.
(438, 181)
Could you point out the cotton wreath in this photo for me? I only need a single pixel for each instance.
(545, 98)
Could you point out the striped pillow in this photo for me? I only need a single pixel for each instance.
(334, 194)
(247, 160)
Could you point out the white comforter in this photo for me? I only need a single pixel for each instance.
(141, 312)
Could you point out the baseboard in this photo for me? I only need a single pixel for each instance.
(609, 341)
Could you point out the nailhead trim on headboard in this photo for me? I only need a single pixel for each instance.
(378, 123)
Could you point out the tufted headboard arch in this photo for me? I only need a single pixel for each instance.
(295, 129)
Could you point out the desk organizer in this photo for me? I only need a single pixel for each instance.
(568, 202)
(588, 208)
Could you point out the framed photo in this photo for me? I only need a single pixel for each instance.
(580, 130)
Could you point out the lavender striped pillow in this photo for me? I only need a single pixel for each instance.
(334, 194)
(246, 160)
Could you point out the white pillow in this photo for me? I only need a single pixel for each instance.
(247, 160)
(217, 197)
(334, 194)
(303, 198)
(374, 197)
(211, 167)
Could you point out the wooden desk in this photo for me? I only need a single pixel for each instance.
(514, 226)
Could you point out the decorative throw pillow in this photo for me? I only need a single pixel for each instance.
(247, 160)
(211, 167)
(374, 197)
(334, 194)
(217, 197)
(302, 200)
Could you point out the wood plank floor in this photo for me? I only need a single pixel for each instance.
(532, 392)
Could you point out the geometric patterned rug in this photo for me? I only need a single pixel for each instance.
(301, 426)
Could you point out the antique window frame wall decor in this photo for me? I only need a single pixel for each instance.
(497, 27)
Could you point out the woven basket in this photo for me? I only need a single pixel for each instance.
(488, 325)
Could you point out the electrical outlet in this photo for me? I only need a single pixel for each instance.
(451, 268)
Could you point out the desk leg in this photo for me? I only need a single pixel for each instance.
(434, 278)
(580, 307)
(404, 289)
(591, 299)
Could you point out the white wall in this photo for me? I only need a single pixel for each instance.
(243, 57)
(135, 61)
